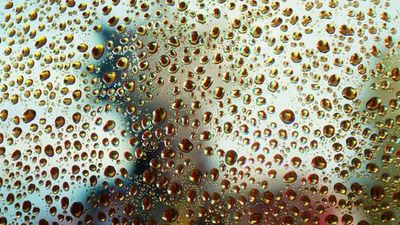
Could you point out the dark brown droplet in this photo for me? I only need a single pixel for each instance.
(59, 122)
(109, 126)
(185, 145)
(319, 162)
(49, 150)
(170, 215)
(373, 103)
(349, 93)
(77, 209)
(230, 157)
(29, 115)
(377, 193)
(159, 115)
(109, 171)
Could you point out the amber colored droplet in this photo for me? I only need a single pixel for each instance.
(388, 217)
(287, 116)
(185, 145)
(373, 103)
(123, 63)
(189, 86)
(109, 126)
(4, 114)
(290, 177)
(334, 80)
(255, 218)
(355, 59)
(377, 193)
(130, 85)
(49, 150)
(340, 188)
(346, 30)
(396, 197)
(319, 162)
(331, 220)
(349, 93)
(219, 92)
(42, 222)
(347, 219)
(109, 78)
(97, 51)
(196, 176)
(149, 176)
(109, 171)
(82, 47)
(256, 32)
(54, 172)
(323, 46)
(76, 117)
(170, 215)
(230, 157)
(159, 115)
(152, 47)
(70, 3)
(351, 142)
(8, 5)
(59, 122)
(326, 104)
(328, 131)
(29, 115)
(77, 209)
(26, 206)
(64, 202)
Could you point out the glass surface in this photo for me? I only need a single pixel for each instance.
(199, 112)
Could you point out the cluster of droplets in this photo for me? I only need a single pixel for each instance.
(192, 112)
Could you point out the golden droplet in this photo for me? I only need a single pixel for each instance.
(290, 177)
(109, 171)
(123, 63)
(97, 51)
(287, 116)
(40, 42)
(319, 162)
(334, 80)
(82, 47)
(355, 59)
(109, 126)
(77, 208)
(349, 93)
(44, 75)
(329, 131)
(218, 92)
(323, 46)
(109, 78)
(130, 85)
(69, 79)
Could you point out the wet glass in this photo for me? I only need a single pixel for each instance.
(199, 112)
